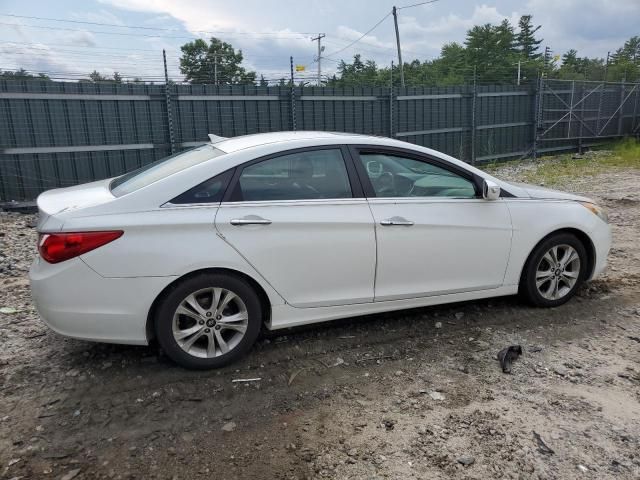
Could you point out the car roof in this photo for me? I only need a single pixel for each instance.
(234, 144)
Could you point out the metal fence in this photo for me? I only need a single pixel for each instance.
(55, 134)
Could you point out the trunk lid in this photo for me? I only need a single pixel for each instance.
(53, 203)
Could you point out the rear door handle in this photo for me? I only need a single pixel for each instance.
(400, 221)
(250, 220)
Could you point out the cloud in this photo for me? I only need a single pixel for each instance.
(36, 57)
(101, 16)
(80, 38)
(430, 36)
(592, 29)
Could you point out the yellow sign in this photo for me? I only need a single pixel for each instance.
(300, 68)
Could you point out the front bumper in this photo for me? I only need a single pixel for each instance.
(601, 238)
(75, 301)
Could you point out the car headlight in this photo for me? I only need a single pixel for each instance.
(595, 209)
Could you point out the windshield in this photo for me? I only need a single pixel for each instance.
(132, 181)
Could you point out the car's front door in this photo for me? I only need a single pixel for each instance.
(435, 234)
(301, 220)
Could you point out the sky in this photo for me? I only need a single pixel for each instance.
(270, 32)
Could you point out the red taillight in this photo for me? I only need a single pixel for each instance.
(58, 247)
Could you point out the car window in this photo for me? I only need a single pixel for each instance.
(398, 176)
(160, 169)
(209, 191)
(315, 174)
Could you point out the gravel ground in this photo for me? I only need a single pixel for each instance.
(413, 394)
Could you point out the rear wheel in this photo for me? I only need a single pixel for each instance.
(208, 321)
(554, 271)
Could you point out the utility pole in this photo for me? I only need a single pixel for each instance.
(320, 50)
(395, 22)
(518, 72)
(606, 67)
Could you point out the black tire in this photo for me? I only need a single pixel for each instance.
(168, 305)
(528, 290)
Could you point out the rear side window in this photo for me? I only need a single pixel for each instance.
(316, 174)
(132, 181)
(209, 191)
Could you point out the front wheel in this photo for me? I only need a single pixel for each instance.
(208, 321)
(554, 271)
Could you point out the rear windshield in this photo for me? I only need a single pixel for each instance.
(132, 181)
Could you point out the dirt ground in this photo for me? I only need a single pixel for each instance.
(412, 394)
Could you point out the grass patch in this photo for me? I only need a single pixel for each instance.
(559, 169)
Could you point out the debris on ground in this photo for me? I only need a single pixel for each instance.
(339, 361)
(542, 446)
(436, 395)
(507, 355)
(465, 460)
(229, 427)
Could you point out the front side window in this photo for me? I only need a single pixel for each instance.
(132, 181)
(317, 174)
(398, 176)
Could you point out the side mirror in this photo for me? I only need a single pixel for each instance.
(490, 190)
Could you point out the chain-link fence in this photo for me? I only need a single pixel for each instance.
(55, 134)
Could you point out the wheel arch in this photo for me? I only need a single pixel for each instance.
(581, 235)
(262, 295)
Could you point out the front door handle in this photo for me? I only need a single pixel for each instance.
(250, 220)
(401, 221)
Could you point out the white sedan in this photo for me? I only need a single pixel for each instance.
(204, 248)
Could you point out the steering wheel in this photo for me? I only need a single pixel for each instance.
(404, 186)
(386, 185)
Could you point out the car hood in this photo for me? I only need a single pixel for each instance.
(535, 191)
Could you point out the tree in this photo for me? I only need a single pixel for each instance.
(629, 52)
(22, 74)
(491, 50)
(213, 62)
(117, 78)
(96, 76)
(263, 81)
(625, 62)
(526, 41)
(357, 73)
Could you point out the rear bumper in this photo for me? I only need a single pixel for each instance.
(601, 237)
(74, 301)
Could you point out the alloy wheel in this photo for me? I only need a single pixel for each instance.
(210, 322)
(558, 272)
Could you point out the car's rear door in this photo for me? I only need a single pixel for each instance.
(301, 220)
(435, 234)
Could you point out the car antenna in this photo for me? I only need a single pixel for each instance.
(216, 138)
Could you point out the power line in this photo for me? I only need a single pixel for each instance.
(148, 28)
(417, 4)
(13, 42)
(43, 48)
(361, 37)
(46, 27)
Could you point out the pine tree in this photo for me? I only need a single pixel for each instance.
(526, 41)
